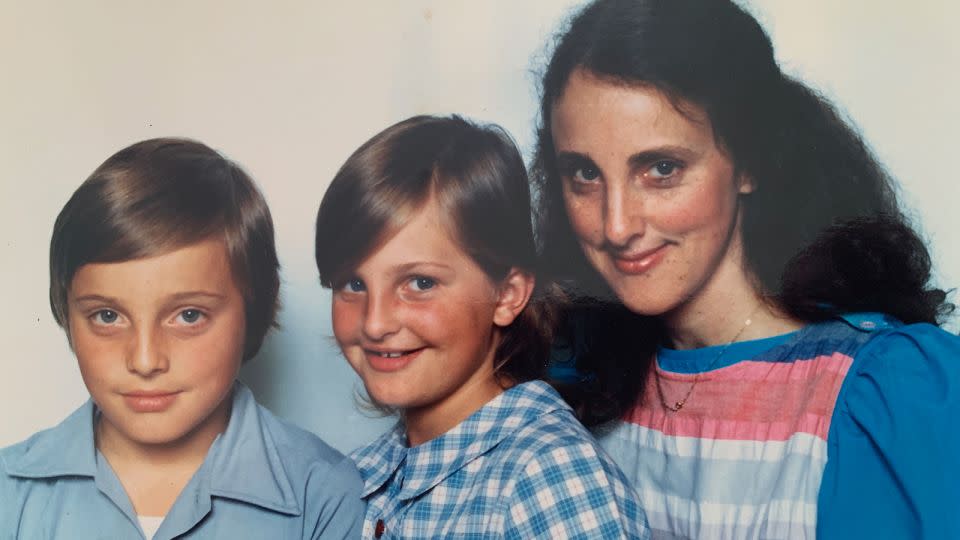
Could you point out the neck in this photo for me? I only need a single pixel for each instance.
(190, 448)
(429, 422)
(153, 475)
(717, 314)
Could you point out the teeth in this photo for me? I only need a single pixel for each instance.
(389, 354)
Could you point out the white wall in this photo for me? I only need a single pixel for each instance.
(289, 89)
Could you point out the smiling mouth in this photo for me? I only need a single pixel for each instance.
(397, 354)
(391, 360)
(640, 262)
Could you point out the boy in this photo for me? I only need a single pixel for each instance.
(164, 276)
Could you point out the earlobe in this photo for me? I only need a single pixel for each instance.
(514, 293)
(745, 184)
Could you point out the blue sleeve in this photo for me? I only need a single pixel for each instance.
(893, 467)
(335, 508)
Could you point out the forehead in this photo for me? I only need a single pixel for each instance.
(593, 113)
(203, 265)
(425, 237)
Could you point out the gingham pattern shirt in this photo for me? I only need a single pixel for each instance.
(520, 467)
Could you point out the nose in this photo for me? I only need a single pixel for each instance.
(147, 355)
(623, 215)
(380, 319)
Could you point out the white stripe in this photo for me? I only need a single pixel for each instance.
(684, 516)
(711, 449)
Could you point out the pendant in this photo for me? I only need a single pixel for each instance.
(678, 405)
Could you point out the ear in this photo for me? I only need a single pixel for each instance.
(745, 183)
(512, 297)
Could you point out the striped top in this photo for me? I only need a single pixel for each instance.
(822, 432)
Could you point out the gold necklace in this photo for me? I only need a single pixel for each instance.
(681, 402)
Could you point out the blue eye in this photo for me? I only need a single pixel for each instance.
(421, 283)
(190, 316)
(354, 285)
(664, 169)
(105, 316)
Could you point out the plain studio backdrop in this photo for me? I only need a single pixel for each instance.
(290, 89)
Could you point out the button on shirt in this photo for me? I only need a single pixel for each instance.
(520, 467)
(262, 478)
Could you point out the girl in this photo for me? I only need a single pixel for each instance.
(425, 237)
(164, 276)
(755, 252)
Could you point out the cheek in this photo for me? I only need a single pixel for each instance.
(584, 216)
(347, 320)
(452, 321)
(95, 354)
(216, 355)
(706, 209)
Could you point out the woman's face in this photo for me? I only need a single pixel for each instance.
(651, 197)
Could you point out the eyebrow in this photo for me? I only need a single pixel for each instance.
(407, 267)
(567, 157)
(95, 298)
(175, 298)
(668, 151)
(662, 152)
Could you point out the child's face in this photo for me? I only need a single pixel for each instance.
(159, 341)
(417, 322)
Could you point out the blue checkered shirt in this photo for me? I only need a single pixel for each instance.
(520, 467)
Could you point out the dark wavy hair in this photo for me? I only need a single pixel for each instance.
(478, 178)
(159, 195)
(811, 169)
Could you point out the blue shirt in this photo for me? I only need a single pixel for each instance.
(262, 478)
(520, 467)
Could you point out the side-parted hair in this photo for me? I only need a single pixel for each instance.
(812, 172)
(477, 177)
(160, 195)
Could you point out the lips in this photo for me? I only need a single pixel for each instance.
(640, 262)
(391, 360)
(149, 401)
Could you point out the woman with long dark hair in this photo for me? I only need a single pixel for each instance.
(754, 332)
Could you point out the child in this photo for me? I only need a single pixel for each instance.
(164, 276)
(425, 237)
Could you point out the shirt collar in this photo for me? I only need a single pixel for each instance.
(45, 455)
(242, 464)
(450, 452)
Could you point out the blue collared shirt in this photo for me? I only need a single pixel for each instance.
(520, 467)
(262, 478)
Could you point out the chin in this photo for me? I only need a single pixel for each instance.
(386, 397)
(650, 305)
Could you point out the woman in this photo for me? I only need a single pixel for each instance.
(751, 306)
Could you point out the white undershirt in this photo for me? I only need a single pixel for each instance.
(150, 524)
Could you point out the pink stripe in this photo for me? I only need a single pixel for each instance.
(747, 401)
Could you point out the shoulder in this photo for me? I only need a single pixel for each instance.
(902, 370)
(558, 444)
(327, 480)
(23, 476)
(300, 449)
(566, 484)
(906, 359)
(891, 444)
(10, 456)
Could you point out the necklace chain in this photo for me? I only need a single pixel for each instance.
(677, 405)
